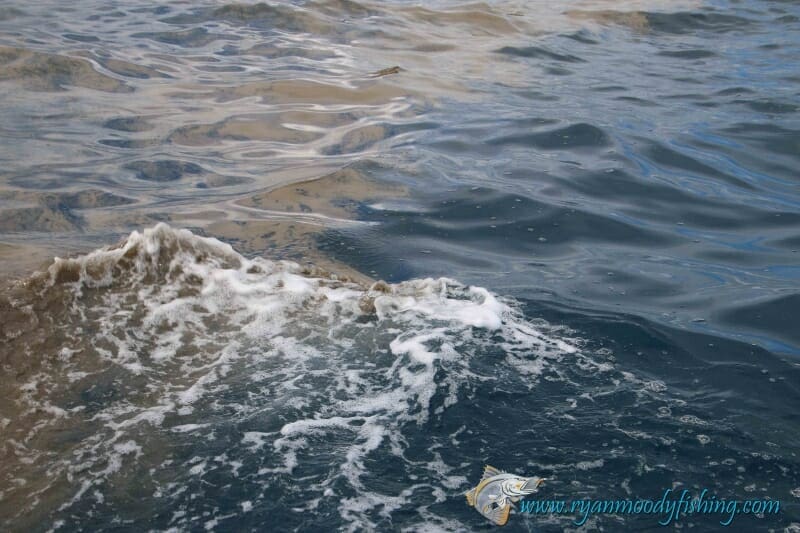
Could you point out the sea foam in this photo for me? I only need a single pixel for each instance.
(170, 339)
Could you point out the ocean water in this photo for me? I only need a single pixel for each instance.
(319, 262)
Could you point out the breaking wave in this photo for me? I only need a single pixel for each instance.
(170, 360)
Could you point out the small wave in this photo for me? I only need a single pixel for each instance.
(169, 336)
(53, 72)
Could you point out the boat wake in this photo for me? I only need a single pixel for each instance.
(169, 364)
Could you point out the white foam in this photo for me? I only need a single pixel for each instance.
(188, 428)
(187, 322)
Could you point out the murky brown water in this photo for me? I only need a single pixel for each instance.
(116, 118)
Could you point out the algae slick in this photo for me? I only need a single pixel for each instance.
(498, 491)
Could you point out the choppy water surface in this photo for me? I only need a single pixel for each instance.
(586, 215)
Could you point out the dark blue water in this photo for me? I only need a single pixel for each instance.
(624, 177)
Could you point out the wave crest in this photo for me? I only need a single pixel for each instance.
(169, 337)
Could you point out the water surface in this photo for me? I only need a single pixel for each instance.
(586, 216)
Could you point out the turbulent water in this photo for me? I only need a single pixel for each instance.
(586, 214)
